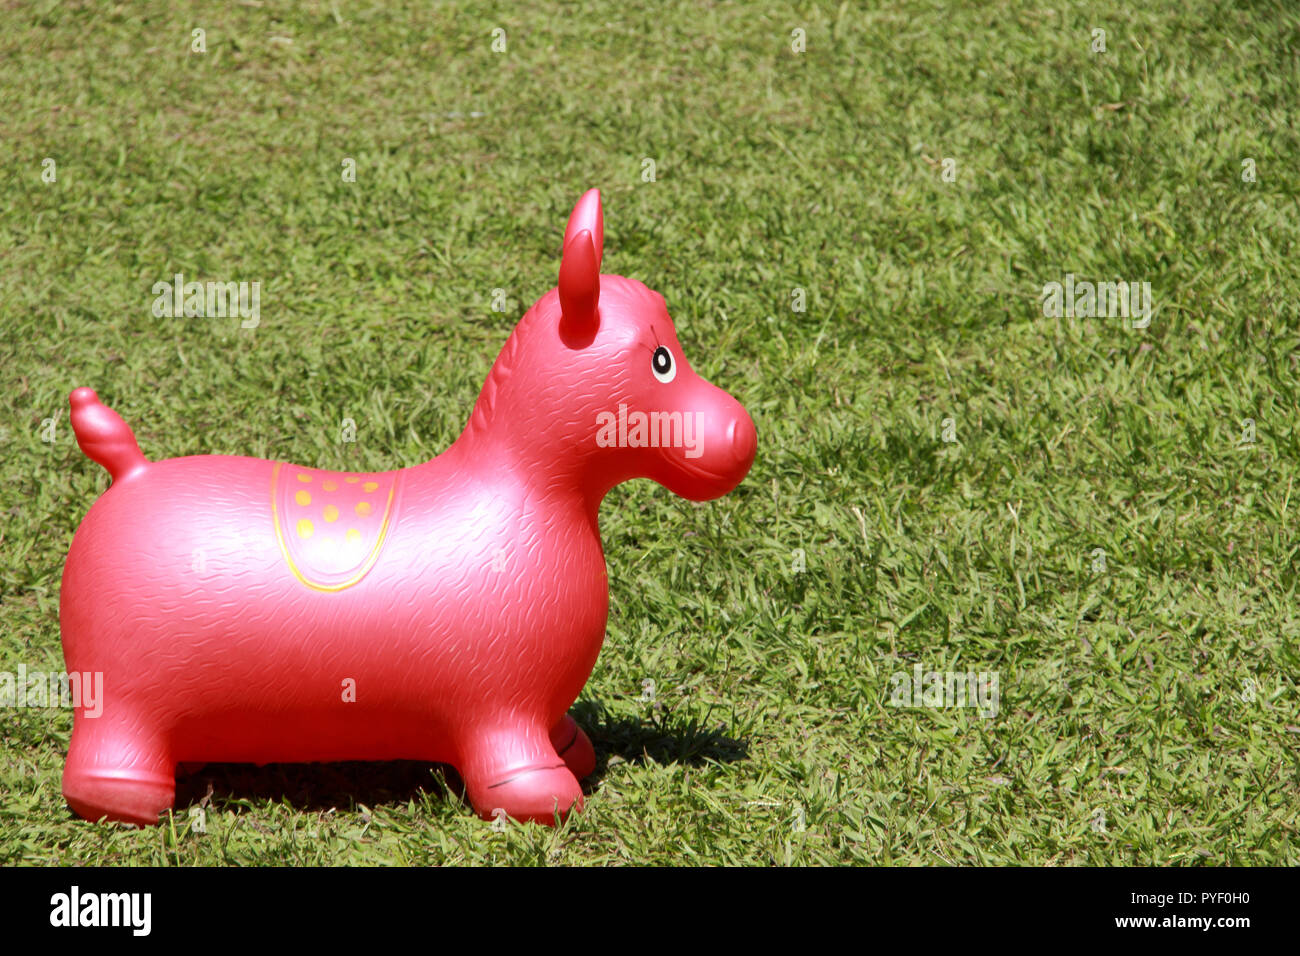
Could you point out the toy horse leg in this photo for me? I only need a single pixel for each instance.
(574, 747)
(516, 769)
(118, 770)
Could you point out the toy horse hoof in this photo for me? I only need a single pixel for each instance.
(574, 747)
(532, 795)
(125, 797)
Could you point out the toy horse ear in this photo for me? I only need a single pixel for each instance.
(584, 241)
(587, 215)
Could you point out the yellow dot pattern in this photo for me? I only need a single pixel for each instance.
(331, 524)
(331, 512)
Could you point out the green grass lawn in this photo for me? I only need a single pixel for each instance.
(1147, 691)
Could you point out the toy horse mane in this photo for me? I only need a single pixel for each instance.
(502, 368)
(632, 295)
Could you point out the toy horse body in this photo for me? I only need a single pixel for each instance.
(255, 611)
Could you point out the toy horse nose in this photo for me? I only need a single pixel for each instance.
(744, 440)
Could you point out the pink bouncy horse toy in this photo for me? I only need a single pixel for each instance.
(254, 611)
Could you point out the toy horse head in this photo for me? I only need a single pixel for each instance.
(593, 388)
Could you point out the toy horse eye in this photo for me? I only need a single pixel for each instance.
(662, 365)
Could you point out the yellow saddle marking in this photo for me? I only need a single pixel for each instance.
(331, 525)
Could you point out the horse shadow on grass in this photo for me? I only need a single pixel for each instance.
(320, 787)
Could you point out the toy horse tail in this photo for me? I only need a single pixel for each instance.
(103, 436)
